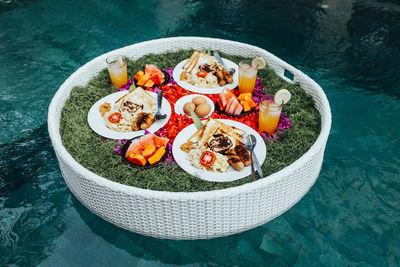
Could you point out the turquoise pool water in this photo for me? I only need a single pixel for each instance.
(350, 217)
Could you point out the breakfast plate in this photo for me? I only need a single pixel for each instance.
(216, 90)
(98, 124)
(182, 158)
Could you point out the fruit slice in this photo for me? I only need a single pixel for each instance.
(219, 103)
(150, 68)
(157, 155)
(147, 139)
(282, 96)
(156, 78)
(228, 106)
(135, 148)
(245, 105)
(137, 159)
(144, 79)
(238, 109)
(138, 75)
(160, 141)
(149, 83)
(156, 75)
(244, 96)
(225, 97)
(258, 63)
(148, 150)
(233, 106)
(251, 102)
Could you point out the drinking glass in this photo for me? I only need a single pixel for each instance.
(270, 113)
(117, 70)
(247, 77)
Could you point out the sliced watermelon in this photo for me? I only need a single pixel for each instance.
(135, 147)
(225, 96)
(150, 68)
(238, 109)
(156, 79)
(160, 141)
(231, 107)
(229, 104)
(234, 106)
(156, 75)
(222, 101)
(220, 104)
(147, 139)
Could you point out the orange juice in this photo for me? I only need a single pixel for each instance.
(247, 77)
(269, 116)
(117, 70)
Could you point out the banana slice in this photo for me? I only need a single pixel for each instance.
(282, 96)
(258, 63)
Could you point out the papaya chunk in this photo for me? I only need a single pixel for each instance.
(148, 150)
(157, 155)
(149, 83)
(245, 105)
(251, 102)
(138, 75)
(136, 158)
(144, 79)
(243, 96)
(160, 141)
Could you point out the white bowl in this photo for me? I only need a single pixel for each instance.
(188, 98)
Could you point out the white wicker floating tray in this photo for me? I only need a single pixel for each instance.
(195, 215)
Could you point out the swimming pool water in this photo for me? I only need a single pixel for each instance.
(351, 216)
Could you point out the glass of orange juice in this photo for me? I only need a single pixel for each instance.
(247, 77)
(270, 113)
(117, 70)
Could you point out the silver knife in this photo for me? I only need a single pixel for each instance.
(254, 158)
(257, 164)
(216, 55)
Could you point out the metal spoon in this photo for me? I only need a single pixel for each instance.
(158, 115)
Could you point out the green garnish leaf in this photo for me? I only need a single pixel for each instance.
(196, 119)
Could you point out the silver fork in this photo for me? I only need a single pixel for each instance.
(158, 115)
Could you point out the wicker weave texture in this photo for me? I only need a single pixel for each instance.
(195, 215)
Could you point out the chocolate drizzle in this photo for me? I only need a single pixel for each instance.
(220, 143)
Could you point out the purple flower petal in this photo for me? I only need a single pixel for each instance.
(117, 150)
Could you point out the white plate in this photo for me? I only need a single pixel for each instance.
(217, 90)
(182, 158)
(97, 123)
(188, 98)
